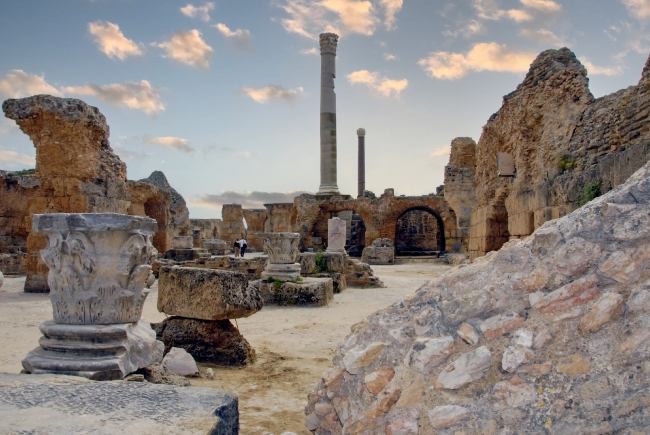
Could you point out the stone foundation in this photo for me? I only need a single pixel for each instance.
(310, 291)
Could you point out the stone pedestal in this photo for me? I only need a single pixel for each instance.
(336, 232)
(99, 264)
(282, 249)
(308, 292)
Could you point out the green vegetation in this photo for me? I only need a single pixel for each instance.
(567, 162)
(23, 172)
(321, 264)
(297, 280)
(589, 192)
(276, 282)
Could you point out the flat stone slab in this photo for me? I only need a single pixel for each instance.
(206, 294)
(310, 291)
(63, 405)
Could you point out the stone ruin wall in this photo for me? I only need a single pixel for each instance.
(417, 231)
(76, 172)
(551, 117)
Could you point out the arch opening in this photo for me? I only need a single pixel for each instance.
(419, 231)
(157, 210)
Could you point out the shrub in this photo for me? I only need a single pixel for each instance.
(567, 162)
(589, 192)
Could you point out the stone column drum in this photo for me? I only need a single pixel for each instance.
(328, 183)
(99, 264)
(282, 249)
(336, 232)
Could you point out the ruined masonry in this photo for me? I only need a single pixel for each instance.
(547, 335)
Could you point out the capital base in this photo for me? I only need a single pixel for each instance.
(281, 272)
(97, 352)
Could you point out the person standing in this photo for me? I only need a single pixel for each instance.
(242, 246)
(236, 247)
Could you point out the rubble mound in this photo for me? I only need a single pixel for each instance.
(548, 335)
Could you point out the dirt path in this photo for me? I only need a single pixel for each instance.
(294, 345)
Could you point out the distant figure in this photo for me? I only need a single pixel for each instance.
(242, 245)
(236, 247)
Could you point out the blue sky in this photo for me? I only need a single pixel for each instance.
(223, 96)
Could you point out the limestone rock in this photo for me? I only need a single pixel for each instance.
(206, 294)
(604, 360)
(158, 374)
(467, 368)
(180, 213)
(445, 416)
(216, 342)
(179, 362)
(377, 380)
(355, 360)
(361, 275)
(468, 333)
(428, 353)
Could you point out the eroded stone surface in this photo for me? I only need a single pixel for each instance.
(206, 294)
(61, 405)
(532, 313)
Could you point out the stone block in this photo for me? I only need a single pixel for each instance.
(336, 234)
(62, 405)
(496, 326)
(182, 242)
(378, 255)
(467, 368)
(180, 362)
(309, 291)
(215, 342)
(442, 417)
(206, 294)
(338, 280)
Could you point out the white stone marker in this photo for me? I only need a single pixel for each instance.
(99, 264)
(336, 235)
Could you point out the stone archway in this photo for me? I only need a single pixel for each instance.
(156, 208)
(419, 231)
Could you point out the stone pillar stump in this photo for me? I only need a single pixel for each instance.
(282, 249)
(99, 264)
(336, 233)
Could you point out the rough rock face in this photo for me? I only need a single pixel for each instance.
(547, 335)
(76, 169)
(563, 142)
(206, 294)
(217, 342)
(460, 184)
(180, 215)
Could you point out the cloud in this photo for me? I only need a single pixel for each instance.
(543, 36)
(169, 142)
(483, 56)
(202, 12)
(240, 38)
(140, 96)
(599, 70)
(310, 51)
(311, 17)
(247, 200)
(14, 157)
(388, 56)
(188, 48)
(19, 84)
(489, 10)
(472, 27)
(263, 95)
(391, 7)
(546, 6)
(443, 151)
(385, 87)
(111, 40)
(638, 8)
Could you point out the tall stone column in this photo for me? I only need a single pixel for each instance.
(328, 184)
(361, 133)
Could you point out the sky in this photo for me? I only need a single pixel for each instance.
(223, 96)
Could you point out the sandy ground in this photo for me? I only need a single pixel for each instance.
(294, 345)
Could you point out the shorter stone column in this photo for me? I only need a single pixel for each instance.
(99, 264)
(282, 249)
(336, 232)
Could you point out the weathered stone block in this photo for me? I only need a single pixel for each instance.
(309, 291)
(206, 294)
(216, 342)
(378, 255)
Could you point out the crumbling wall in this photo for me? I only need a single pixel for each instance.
(180, 215)
(75, 166)
(417, 231)
(232, 227)
(255, 219)
(564, 143)
(460, 185)
(549, 335)
(154, 202)
(208, 228)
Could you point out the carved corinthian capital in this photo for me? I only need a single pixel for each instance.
(328, 43)
(99, 264)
